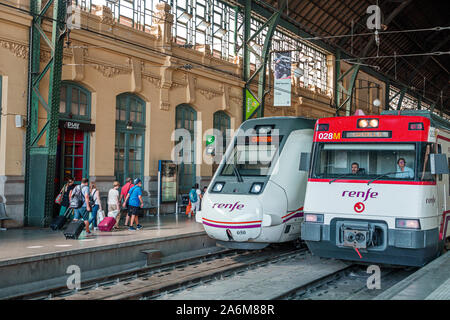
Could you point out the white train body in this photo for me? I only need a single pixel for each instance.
(239, 218)
(397, 218)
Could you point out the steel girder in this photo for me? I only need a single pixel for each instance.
(339, 85)
(270, 25)
(41, 157)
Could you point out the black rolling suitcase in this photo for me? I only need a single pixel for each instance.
(74, 229)
(60, 221)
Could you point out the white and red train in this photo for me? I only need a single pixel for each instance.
(393, 207)
(256, 195)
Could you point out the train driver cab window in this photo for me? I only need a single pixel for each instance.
(252, 157)
(366, 161)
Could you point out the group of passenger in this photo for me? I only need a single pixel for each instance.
(402, 170)
(128, 201)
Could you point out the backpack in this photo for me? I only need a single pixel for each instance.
(91, 198)
(77, 198)
(193, 195)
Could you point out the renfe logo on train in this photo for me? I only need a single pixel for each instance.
(360, 194)
(230, 206)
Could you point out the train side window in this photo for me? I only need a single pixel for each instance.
(424, 162)
(304, 161)
(448, 159)
(439, 151)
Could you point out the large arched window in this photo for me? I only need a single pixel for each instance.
(130, 130)
(185, 119)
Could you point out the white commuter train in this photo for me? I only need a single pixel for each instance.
(394, 207)
(256, 195)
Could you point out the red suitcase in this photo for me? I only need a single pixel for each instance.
(107, 224)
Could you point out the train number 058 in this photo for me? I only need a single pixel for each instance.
(241, 232)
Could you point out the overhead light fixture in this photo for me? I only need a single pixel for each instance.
(184, 17)
(203, 25)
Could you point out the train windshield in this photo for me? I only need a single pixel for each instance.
(251, 157)
(366, 161)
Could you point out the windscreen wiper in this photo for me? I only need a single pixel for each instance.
(381, 176)
(237, 174)
(339, 177)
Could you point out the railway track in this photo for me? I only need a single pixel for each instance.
(242, 273)
(149, 282)
(349, 284)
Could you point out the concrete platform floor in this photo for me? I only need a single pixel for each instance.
(431, 282)
(28, 242)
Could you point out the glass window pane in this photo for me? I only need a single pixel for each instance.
(75, 101)
(83, 110)
(137, 168)
(78, 162)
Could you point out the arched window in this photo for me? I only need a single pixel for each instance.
(130, 130)
(221, 122)
(185, 119)
(75, 102)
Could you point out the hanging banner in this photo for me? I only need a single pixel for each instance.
(251, 104)
(282, 82)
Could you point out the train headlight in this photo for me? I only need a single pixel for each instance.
(256, 187)
(312, 217)
(363, 123)
(407, 223)
(218, 186)
(367, 123)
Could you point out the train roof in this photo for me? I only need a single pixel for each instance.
(283, 124)
(435, 120)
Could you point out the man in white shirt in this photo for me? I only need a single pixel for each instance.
(113, 202)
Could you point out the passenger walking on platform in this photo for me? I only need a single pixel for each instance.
(123, 194)
(68, 187)
(135, 202)
(97, 205)
(201, 196)
(114, 202)
(81, 192)
(194, 197)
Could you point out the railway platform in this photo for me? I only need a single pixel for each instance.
(431, 282)
(33, 259)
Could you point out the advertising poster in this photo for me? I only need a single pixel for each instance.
(282, 82)
(168, 181)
